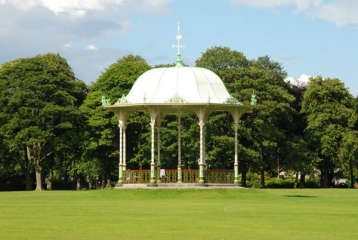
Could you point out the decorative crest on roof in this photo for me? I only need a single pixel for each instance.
(106, 100)
(253, 99)
(122, 100)
(232, 100)
(177, 99)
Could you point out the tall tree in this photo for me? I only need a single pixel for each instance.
(38, 103)
(102, 134)
(263, 132)
(329, 109)
(349, 154)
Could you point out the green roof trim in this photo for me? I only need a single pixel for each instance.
(179, 62)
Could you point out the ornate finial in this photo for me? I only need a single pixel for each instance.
(253, 98)
(178, 37)
(178, 46)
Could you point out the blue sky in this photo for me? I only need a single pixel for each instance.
(308, 37)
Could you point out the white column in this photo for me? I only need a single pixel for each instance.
(153, 115)
(202, 115)
(120, 170)
(179, 176)
(201, 161)
(236, 116)
(158, 147)
(152, 164)
(122, 144)
(124, 158)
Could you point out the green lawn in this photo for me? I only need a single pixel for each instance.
(180, 214)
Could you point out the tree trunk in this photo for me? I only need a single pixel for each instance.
(351, 173)
(90, 183)
(103, 182)
(302, 180)
(28, 180)
(243, 170)
(243, 178)
(25, 167)
(296, 180)
(262, 173)
(49, 181)
(38, 173)
(38, 179)
(109, 185)
(78, 185)
(35, 155)
(324, 174)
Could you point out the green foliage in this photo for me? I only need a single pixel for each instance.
(330, 112)
(263, 132)
(39, 110)
(119, 77)
(311, 183)
(253, 180)
(102, 132)
(279, 183)
(51, 123)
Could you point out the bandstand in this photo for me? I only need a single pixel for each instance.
(178, 89)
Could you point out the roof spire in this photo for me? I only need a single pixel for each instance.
(179, 46)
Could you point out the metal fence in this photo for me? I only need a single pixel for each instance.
(171, 176)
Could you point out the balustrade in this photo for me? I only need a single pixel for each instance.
(188, 176)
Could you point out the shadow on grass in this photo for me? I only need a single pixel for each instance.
(300, 196)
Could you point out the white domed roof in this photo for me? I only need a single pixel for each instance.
(178, 85)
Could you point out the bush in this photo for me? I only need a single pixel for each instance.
(279, 183)
(311, 183)
(253, 180)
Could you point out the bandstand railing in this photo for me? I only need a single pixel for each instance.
(171, 176)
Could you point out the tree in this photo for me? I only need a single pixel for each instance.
(102, 132)
(39, 99)
(263, 132)
(228, 65)
(349, 153)
(329, 109)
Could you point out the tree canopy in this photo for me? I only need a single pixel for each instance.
(54, 128)
(39, 103)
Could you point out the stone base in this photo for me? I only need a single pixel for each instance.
(152, 185)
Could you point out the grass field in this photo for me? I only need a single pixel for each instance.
(180, 214)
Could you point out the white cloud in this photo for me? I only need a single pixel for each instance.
(92, 47)
(79, 8)
(32, 27)
(68, 45)
(301, 80)
(304, 78)
(300, 4)
(73, 7)
(340, 12)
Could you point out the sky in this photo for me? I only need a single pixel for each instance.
(308, 37)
